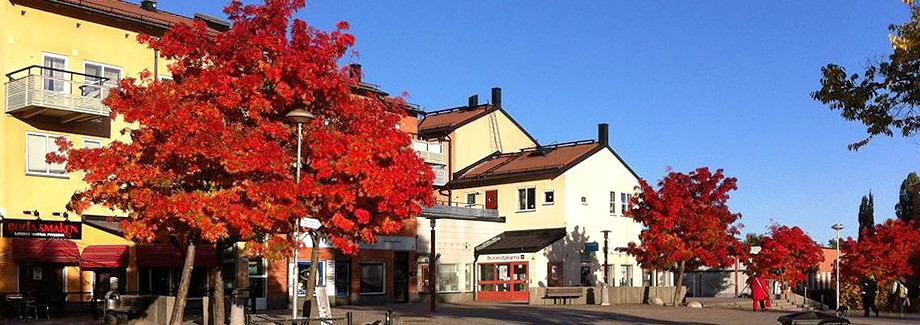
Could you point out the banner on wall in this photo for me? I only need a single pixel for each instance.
(42, 229)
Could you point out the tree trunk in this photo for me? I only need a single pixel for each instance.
(311, 279)
(217, 278)
(179, 308)
(680, 283)
(242, 279)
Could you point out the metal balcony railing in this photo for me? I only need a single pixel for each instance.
(459, 210)
(67, 95)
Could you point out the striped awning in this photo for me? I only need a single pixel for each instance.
(45, 251)
(105, 256)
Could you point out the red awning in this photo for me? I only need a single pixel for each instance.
(105, 256)
(165, 255)
(45, 251)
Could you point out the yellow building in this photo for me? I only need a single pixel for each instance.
(59, 58)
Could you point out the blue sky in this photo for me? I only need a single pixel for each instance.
(723, 84)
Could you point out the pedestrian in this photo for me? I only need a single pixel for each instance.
(869, 292)
(899, 293)
(759, 293)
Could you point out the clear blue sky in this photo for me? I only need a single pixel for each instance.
(684, 84)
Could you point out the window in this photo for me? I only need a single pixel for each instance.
(55, 80)
(468, 277)
(549, 197)
(624, 202)
(372, 278)
(471, 199)
(304, 271)
(99, 71)
(527, 199)
(91, 144)
(257, 277)
(626, 275)
(448, 278)
(37, 147)
(613, 202)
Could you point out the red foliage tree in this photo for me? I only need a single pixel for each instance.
(786, 255)
(210, 155)
(890, 252)
(687, 223)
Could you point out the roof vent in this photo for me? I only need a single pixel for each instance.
(603, 135)
(473, 101)
(497, 97)
(539, 150)
(150, 5)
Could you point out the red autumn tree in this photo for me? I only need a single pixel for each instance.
(210, 156)
(890, 252)
(687, 223)
(786, 255)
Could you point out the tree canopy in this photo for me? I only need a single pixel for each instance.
(884, 97)
(787, 254)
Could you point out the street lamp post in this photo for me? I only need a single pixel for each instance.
(838, 227)
(605, 293)
(298, 116)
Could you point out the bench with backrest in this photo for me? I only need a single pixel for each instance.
(131, 307)
(563, 293)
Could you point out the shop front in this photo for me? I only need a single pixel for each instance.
(504, 278)
(510, 264)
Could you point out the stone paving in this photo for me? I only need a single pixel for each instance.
(481, 313)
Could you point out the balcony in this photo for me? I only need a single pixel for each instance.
(68, 96)
(458, 210)
(431, 152)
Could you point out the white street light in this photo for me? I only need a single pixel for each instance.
(838, 227)
(299, 116)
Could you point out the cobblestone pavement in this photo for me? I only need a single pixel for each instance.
(481, 313)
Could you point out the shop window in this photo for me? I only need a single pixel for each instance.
(303, 269)
(487, 272)
(554, 274)
(527, 200)
(626, 275)
(258, 273)
(37, 148)
(549, 197)
(586, 276)
(448, 278)
(372, 278)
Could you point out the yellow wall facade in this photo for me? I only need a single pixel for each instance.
(476, 139)
(544, 216)
(25, 35)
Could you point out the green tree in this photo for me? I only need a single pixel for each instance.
(903, 210)
(832, 243)
(866, 215)
(752, 239)
(885, 97)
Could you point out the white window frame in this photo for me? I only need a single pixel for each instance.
(518, 192)
(48, 172)
(613, 202)
(624, 202)
(121, 72)
(383, 275)
(96, 141)
(66, 88)
(544, 197)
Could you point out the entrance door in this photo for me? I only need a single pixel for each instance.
(401, 276)
(492, 199)
(41, 280)
(503, 282)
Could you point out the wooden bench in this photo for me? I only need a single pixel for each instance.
(564, 293)
(131, 307)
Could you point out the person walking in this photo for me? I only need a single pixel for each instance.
(759, 293)
(869, 292)
(900, 293)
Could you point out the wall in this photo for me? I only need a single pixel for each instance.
(594, 178)
(474, 140)
(456, 242)
(544, 216)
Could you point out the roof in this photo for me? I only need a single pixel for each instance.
(439, 123)
(531, 163)
(123, 10)
(521, 241)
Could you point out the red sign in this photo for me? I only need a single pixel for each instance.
(42, 229)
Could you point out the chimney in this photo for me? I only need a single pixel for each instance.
(497, 97)
(603, 134)
(149, 5)
(354, 71)
(473, 101)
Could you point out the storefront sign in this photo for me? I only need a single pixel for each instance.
(591, 247)
(503, 258)
(42, 229)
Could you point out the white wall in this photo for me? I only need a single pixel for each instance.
(456, 242)
(594, 178)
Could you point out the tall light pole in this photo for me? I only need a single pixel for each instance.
(298, 116)
(605, 293)
(838, 227)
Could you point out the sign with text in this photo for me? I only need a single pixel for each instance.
(42, 229)
(503, 258)
(591, 247)
(322, 305)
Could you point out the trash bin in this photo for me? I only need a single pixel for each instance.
(812, 318)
